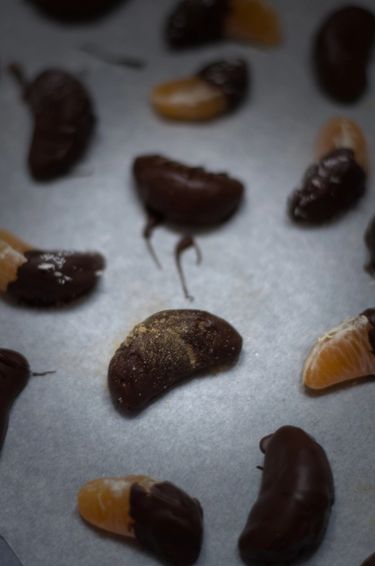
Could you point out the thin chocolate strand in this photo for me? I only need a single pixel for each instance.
(17, 72)
(184, 244)
(153, 222)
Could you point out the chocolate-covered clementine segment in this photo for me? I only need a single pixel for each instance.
(342, 133)
(342, 51)
(166, 349)
(344, 353)
(44, 278)
(161, 517)
(195, 22)
(14, 375)
(294, 504)
(214, 90)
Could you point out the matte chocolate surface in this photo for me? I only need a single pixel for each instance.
(167, 522)
(183, 194)
(63, 123)
(291, 513)
(195, 22)
(14, 375)
(167, 348)
(230, 76)
(71, 10)
(54, 277)
(329, 188)
(342, 51)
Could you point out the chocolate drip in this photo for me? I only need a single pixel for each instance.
(14, 375)
(166, 349)
(184, 194)
(329, 188)
(195, 22)
(184, 244)
(54, 277)
(342, 51)
(153, 222)
(230, 76)
(291, 513)
(167, 522)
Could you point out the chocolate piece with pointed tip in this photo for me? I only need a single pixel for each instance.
(167, 522)
(14, 375)
(342, 51)
(166, 349)
(330, 187)
(292, 511)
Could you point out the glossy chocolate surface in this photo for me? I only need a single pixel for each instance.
(75, 10)
(230, 76)
(167, 522)
(329, 188)
(195, 22)
(54, 277)
(342, 52)
(291, 513)
(14, 375)
(165, 349)
(63, 123)
(183, 194)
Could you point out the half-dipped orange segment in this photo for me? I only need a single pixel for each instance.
(105, 503)
(253, 21)
(341, 132)
(342, 354)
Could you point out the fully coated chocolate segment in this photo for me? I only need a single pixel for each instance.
(329, 188)
(165, 349)
(63, 121)
(291, 513)
(14, 375)
(183, 194)
(55, 277)
(342, 51)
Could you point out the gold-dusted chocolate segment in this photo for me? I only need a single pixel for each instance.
(105, 503)
(10, 261)
(191, 99)
(341, 132)
(15, 242)
(253, 21)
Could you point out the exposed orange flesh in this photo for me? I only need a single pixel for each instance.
(190, 99)
(253, 21)
(105, 503)
(15, 242)
(341, 132)
(10, 261)
(343, 354)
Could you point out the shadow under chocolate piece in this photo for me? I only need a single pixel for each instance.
(14, 375)
(166, 349)
(71, 11)
(63, 121)
(342, 51)
(291, 513)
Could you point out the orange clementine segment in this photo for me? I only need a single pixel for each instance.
(188, 99)
(253, 21)
(341, 132)
(10, 261)
(344, 353)
(105, 503)
(15, 242)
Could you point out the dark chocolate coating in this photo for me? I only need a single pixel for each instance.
(291, 513)
(75, 10)
(14, 375)
(64, 121)
(329, 188)
(370, 243)
(167, 522)
(165, 349)
(230, 76)
(370, 314)
(54, 277)
(183, 194)
(370, 561)
(342, 50)
(196, 22)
